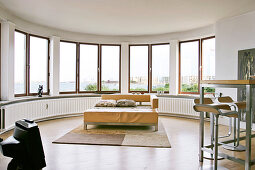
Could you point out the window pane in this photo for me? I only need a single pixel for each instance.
(110, 57)
(208, 61)
(160, 67)
(208, 65)
(139, 68)
(189, 66)
(20, 63)
(67, 67)
(38, 64)
(88, 67)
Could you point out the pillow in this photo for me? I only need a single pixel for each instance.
(106, 103)
(125, 103)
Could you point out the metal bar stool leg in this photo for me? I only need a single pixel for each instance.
(235, 146)
(212, 127)
(234, 132)
(238, 146)
(216, 137)
(206, 154)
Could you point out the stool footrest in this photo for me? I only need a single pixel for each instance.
(232, 158)
(229, 141)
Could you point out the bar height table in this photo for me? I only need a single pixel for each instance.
(249, 85)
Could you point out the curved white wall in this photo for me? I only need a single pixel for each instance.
(11, 22)
(232, 34)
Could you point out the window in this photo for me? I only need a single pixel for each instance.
(208, 58)
(208, 61)
(189, 66)
(110, 67)
(190, 62)
(20, 64)
(67, 67)
(31, 64)
(88, 68)
(38, 62)
(138, 68)
(160, 67)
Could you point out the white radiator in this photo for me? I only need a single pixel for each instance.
(40, 109)
(179, 106)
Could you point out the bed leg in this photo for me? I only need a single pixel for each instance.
(156, 127)
(85, 126)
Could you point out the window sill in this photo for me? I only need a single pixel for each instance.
(45, 97)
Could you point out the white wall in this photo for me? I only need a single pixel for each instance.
(233, 34)
(124, 67)
(7, 60)
(54, 65)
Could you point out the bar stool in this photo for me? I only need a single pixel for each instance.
(216, 112)
(220, 106)
(240, 106)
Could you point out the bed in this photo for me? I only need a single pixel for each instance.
(145, 114)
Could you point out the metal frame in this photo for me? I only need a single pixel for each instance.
(126, 124)
(247, 162)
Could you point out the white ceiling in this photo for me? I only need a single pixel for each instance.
(126, 17)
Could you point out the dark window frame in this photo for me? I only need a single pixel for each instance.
(76, 61)
(48, 65)
(26, 65)
(151, 67)
(0, 60)
(100, 69)
(27, 84)
(79, 64)
(199, 48)
(129, 90)
(201, 66)
(200, 59)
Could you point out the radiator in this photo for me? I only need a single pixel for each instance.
(41, 109)
(179, 106)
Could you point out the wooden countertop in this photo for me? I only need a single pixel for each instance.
(227, 82)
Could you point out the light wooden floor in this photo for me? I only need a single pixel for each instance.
(182, 134)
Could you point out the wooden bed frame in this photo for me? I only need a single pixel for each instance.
(152, 112)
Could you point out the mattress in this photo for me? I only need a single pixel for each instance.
(139, 114)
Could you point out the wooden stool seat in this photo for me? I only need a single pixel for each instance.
(215, 109)
(229, 100)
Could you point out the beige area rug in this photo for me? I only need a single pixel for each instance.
(139, 136)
